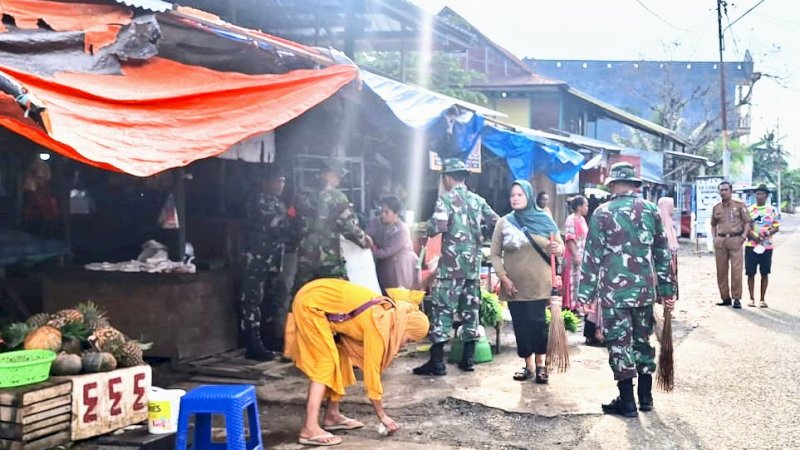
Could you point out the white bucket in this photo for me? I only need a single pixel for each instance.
(163, 407)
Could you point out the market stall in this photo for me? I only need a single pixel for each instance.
(126, 102)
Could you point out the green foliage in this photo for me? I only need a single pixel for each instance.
(768, 158)
(491, 312)
(570, 319)
(14, 335)
(713, 151)
(445, 74)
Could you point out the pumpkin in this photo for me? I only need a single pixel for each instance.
(66, 364)
(108, 363)
(91, 362)
(44, 338)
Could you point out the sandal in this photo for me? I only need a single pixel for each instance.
(346, 424)
(323, 440)
(752, 303)
(524, 374)
(764, 304)
(541, 375)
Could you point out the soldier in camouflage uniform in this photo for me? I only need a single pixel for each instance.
(627, 255)
(265, 235)
(324, 216)
(463, 218)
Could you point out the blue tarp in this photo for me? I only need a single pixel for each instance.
(421, 109)
(527, 154)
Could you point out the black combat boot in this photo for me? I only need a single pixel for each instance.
(255, 347)
(467, 363)
(435, 365)
(645, 392)
(624, 405)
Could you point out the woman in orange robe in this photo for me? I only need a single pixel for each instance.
(369, 330)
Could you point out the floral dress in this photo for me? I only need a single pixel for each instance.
(575, 230)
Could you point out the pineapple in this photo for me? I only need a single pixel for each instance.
(37, 320)
(73, 337)
(106, 338)
(14, 335)
(65, 317)
(128, 354)
(93, 317)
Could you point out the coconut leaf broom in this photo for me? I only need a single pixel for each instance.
(665, 376)
(557, 344)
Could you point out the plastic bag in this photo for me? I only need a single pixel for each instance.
(168, 218)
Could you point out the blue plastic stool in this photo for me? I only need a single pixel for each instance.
(229, 400)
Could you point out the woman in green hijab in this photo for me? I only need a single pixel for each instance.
(525, 274)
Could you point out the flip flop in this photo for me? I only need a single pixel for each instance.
(764, 305)
(752, 304)
(318, 441)
(346, 424)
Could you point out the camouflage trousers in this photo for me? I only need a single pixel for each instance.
(449, 296)
(627, 336)
(264, 302)
(307, 272)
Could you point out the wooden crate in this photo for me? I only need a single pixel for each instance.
(37, 416)
(107, 401)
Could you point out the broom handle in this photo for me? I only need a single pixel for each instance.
(552, 262)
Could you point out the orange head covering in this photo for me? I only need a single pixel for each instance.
(397, 323)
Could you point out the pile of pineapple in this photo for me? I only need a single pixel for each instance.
(82, 336)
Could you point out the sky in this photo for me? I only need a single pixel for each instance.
(679, 30)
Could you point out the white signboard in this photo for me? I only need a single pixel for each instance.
(706, 196)
(360, 265)
(107, 401)
(473, 161)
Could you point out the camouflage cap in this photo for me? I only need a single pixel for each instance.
(763, 188)
(453, 165)
(335, 166)
(623, 171)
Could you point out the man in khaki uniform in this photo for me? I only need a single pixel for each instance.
(730, 224)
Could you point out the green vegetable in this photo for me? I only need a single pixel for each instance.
(570, 319)
(491, 312)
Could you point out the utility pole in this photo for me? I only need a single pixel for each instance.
(726, 152)
(780, 169)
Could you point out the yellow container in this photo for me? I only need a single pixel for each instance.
(406, 295)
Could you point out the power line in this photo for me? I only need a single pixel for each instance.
(730, 24)
(659, 17)
(733, 38)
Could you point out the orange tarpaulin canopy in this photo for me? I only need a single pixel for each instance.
(163, 114)
(100, 23)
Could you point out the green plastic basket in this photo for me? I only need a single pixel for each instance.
(25, 367)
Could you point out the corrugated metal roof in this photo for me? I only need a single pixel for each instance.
(631, 119)
(149, 5)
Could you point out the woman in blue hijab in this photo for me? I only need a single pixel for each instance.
(525, 274)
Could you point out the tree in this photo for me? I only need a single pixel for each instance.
(790, 186)
(713, 151)
(446, 75)
(768, 158)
